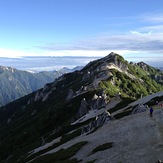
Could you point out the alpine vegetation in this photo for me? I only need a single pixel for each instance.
(97, 114)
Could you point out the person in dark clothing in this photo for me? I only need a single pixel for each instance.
(151, 111)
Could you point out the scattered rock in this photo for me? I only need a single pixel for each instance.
(99, 121)
(84, 108)
(70, 95)
(140, 108)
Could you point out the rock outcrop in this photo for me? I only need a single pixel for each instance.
(84, 108)
(96, 103)
(99, 121)
(99, 102)
(70, 95)
(140, 108)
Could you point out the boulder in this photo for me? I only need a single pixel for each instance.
(99, 121)
(140, 108)
(84, 108)
(70, 95)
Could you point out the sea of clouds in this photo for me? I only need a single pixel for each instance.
(45, 63)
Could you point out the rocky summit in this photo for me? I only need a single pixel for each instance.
(97, 114)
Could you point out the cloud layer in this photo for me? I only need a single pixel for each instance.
(141, 38)
(147, 37)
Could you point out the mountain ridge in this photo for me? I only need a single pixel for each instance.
(103, 89)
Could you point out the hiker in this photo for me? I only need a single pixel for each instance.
(157, 103)
(161, 105)
(151, 111)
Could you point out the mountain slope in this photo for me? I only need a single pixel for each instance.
(136, 138)
(74, 104)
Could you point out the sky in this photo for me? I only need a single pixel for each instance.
(133, 29)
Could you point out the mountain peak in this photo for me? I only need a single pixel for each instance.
(113, 57)
(5, 68)
(113, 54)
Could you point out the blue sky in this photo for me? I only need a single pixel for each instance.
(134, 29)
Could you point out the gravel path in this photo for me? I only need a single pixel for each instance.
(136, 139)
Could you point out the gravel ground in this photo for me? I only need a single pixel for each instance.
(137, 138)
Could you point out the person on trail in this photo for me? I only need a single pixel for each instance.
(151, 111)
(157, 103)
(161, 105)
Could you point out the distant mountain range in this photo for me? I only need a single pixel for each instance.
(96, 114)
(16, 83)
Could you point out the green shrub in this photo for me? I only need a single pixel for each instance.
(122, 114)
(92, 161)
(121, 105)
(61, 156)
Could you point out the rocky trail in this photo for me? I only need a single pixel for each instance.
(137, 138)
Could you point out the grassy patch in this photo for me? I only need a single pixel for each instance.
(95, 129)
(62, 156)
(92, 161)
(102, 147)
(63, 140)
(70, 136)
(122, 104)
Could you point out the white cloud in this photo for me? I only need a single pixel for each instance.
(9, 53)
(139, 33)
(154, 28)
(154, 18)
(147, 38)
(132, 41)
(12, 53)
